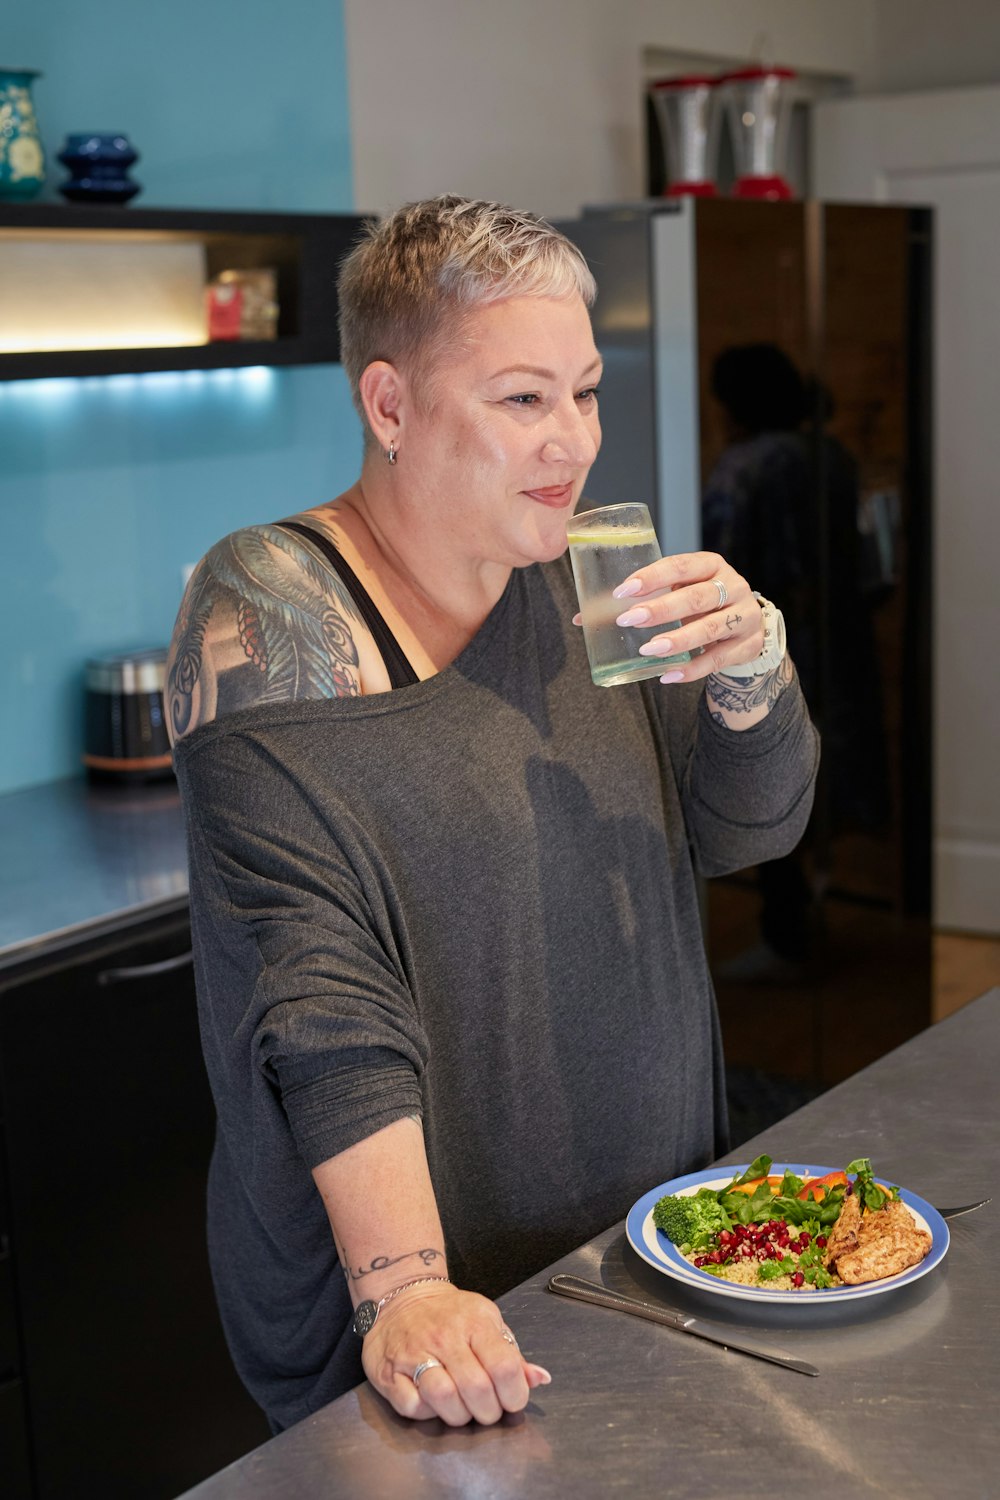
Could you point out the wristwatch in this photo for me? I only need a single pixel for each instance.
(366, 1312)
(773, 653)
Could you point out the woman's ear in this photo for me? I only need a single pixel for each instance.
(382, 390)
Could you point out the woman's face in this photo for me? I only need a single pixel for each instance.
(504, 438)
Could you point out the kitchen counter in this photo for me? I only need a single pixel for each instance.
(79, 857)
(903, 1402)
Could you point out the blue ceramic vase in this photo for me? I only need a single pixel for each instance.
(22, 160)
(98, 166)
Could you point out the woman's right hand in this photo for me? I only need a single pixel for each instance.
(479, 1373)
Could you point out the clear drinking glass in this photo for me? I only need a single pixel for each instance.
(606, 546)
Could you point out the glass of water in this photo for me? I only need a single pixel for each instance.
(606, 546)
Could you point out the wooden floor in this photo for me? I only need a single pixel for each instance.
(786, 1044)
(963, 967)
(875, 985)
(764, 1087)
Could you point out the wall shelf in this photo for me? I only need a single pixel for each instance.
(304, 249)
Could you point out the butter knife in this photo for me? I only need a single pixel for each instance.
(590, 1291)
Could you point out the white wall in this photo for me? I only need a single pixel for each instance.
(931, 44)
(540, 102)
(942, 148)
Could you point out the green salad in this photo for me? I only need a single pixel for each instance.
(767, 1229)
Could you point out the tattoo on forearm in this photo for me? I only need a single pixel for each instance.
(741, 695)
(383, 1262)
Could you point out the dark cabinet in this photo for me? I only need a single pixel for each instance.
(125, 1381)
(15, 1471)
(767, 389)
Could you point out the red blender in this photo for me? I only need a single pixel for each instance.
(688, 115)
(759, 108)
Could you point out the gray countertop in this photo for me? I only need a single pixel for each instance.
(78, 857)
(905, 1404)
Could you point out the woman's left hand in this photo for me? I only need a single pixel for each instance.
(720, 617)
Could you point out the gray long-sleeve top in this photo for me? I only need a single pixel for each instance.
(471, 899)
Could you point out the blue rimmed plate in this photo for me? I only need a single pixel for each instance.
(654, 1247)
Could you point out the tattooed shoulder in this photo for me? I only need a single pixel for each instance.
(263, 620)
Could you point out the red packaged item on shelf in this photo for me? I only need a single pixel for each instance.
(242, 305)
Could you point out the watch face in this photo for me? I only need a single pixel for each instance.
(364, 1317)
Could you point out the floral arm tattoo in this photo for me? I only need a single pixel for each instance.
(741, 695)
(263, 620)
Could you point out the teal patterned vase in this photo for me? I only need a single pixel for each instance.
(22, 160)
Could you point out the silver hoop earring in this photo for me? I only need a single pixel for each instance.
(391, 455)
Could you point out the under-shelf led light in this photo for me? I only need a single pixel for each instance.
(249, 382)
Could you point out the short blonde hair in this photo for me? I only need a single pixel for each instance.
(404, 288)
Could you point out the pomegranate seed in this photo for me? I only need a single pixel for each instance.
(821, 1241)
(797, 1278)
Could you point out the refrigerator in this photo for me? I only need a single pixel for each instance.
(767, 392)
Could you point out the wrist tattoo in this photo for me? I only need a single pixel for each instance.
(741, 695)
(426, 1257)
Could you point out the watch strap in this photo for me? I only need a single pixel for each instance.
(774, 649)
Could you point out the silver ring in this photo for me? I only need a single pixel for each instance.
(508, 1337)
(723, 592)
(424, 1366)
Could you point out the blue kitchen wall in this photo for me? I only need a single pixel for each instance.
(110, 487)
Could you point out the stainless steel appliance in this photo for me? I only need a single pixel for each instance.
(767, 383)
(125, 732)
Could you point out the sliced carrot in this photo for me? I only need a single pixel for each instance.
(754, 1183)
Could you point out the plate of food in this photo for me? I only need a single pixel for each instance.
(786, 1232)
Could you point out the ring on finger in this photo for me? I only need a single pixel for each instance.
(508, 1337)
(723, 592)
(424, 1366)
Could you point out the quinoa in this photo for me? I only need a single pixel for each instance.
(744, 1273)
(768, 1243)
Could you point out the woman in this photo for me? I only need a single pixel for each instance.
(455, 1006)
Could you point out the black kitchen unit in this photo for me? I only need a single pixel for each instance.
(114, 1375)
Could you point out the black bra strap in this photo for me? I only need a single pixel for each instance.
(401, 674)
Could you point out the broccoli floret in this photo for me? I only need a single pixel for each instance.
(691, 1222)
